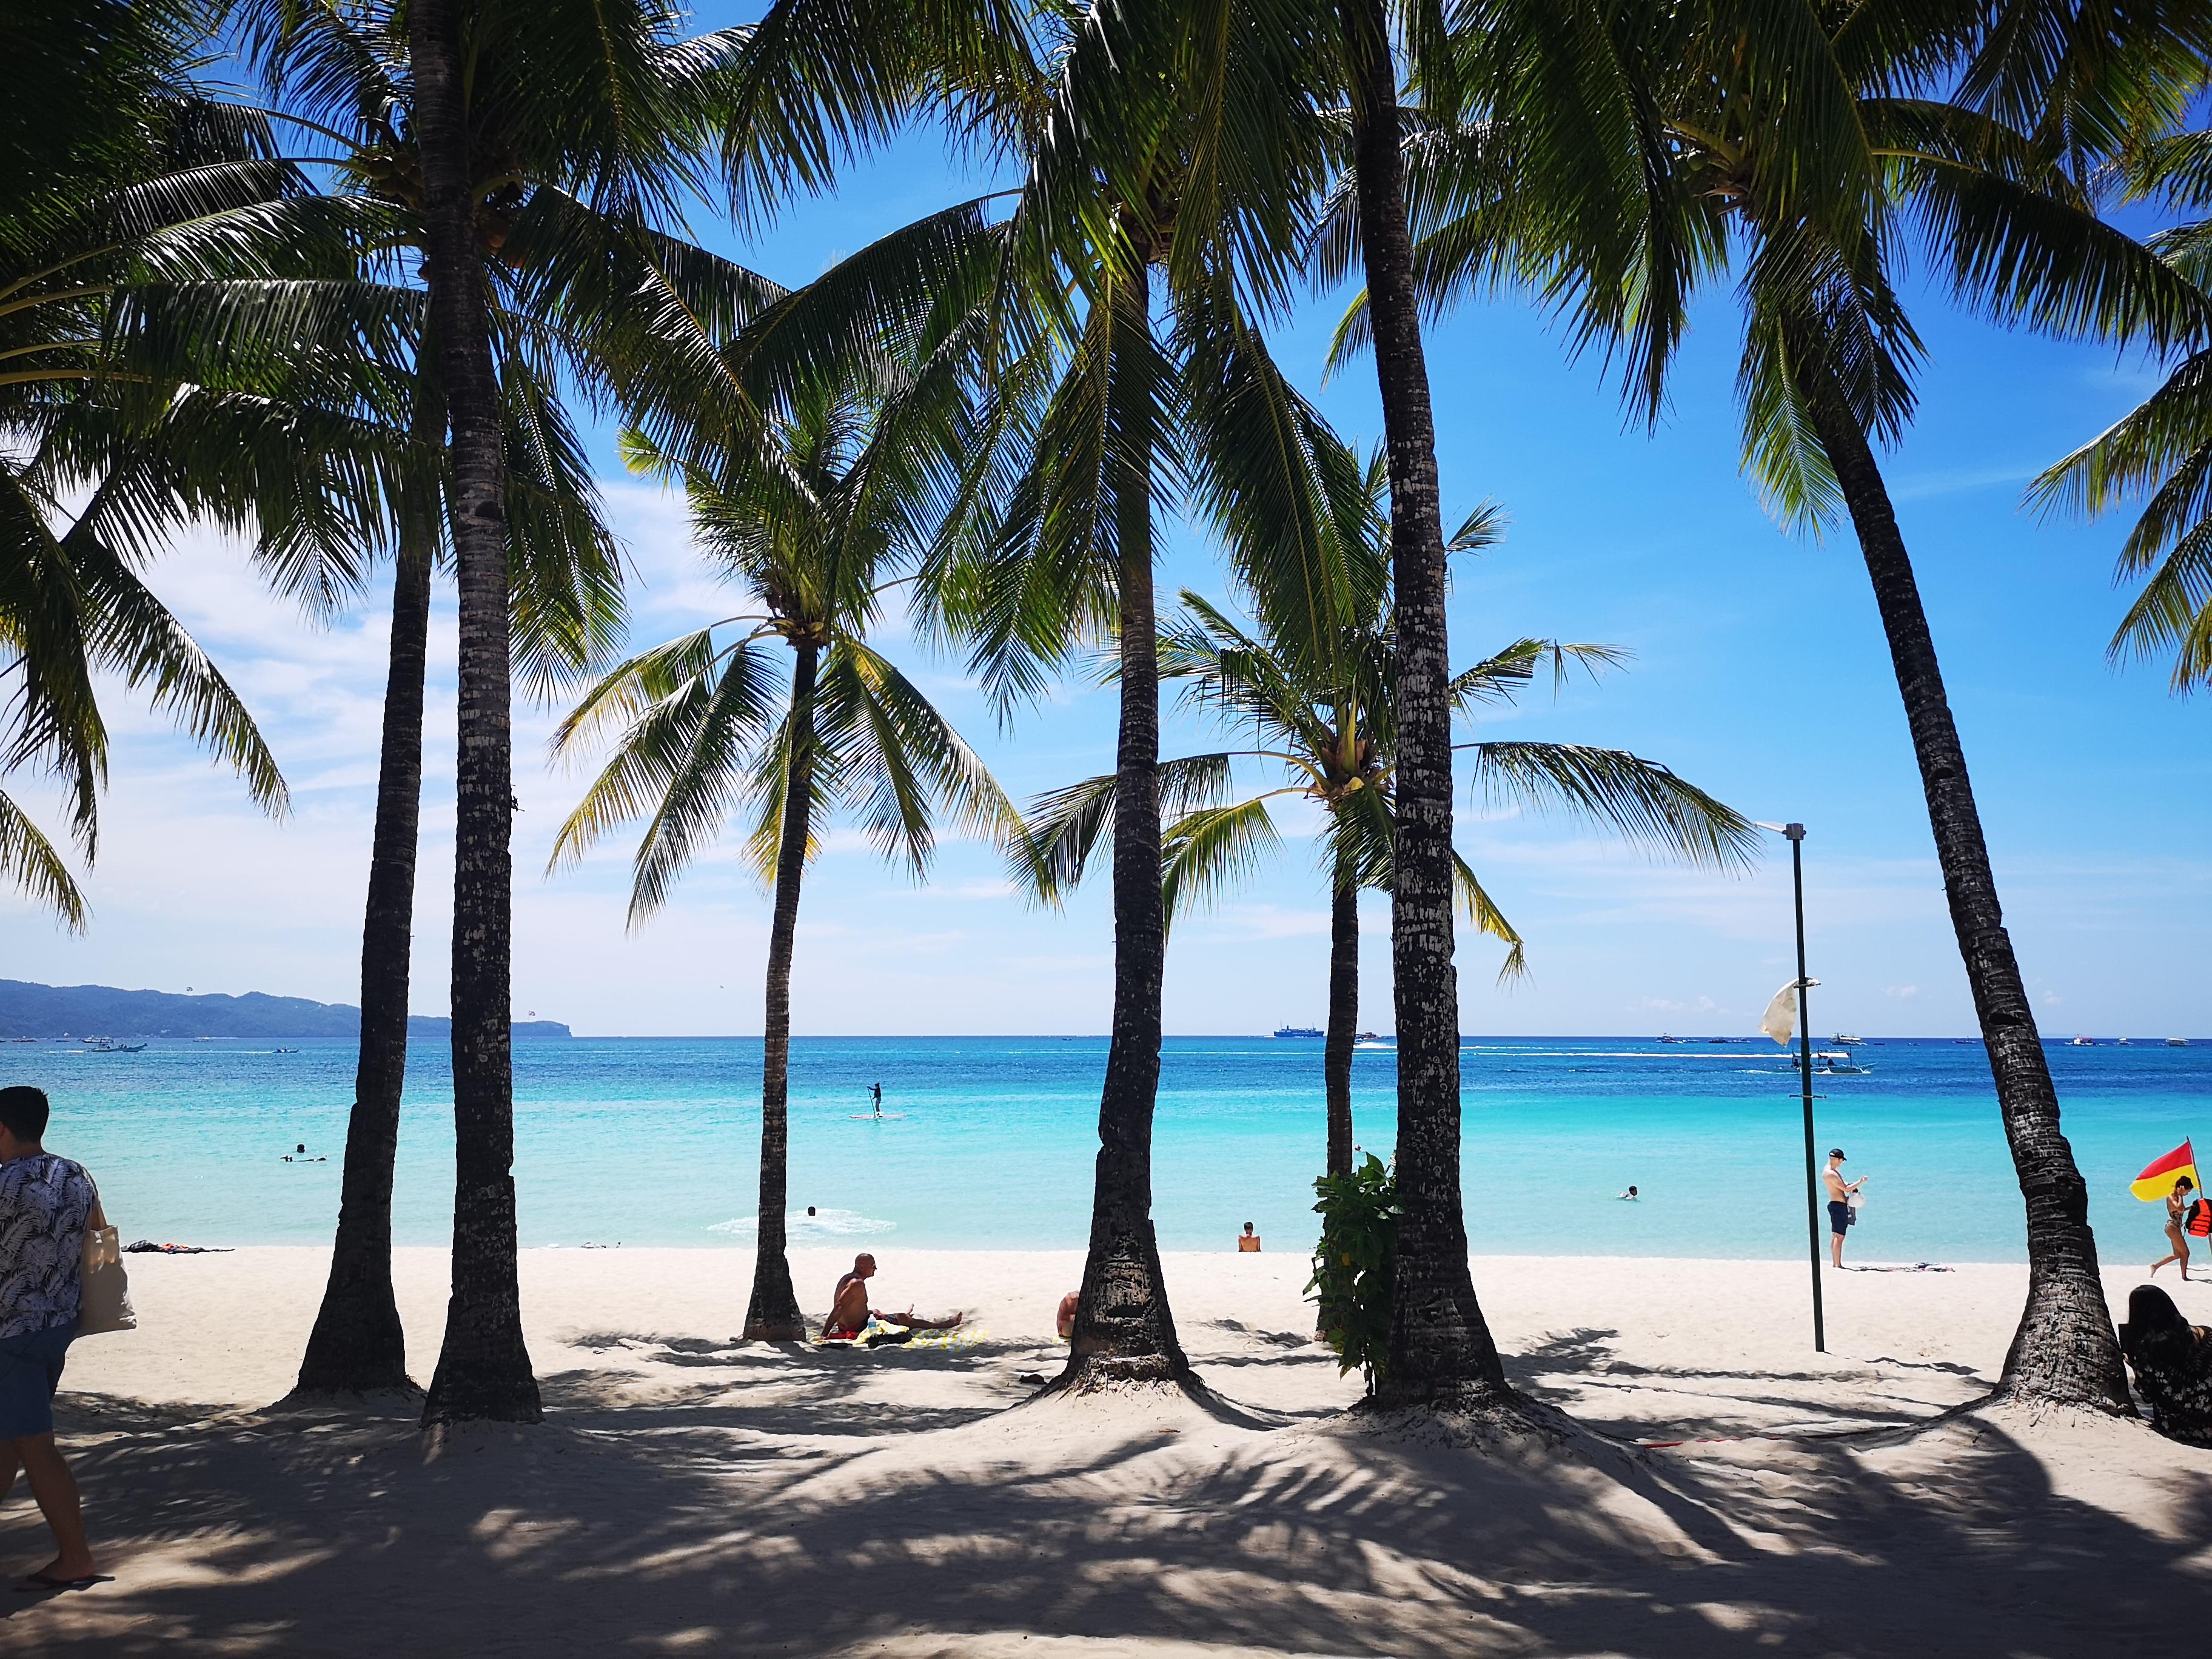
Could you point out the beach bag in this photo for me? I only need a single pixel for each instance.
(104, 1293)
(2200, 1219)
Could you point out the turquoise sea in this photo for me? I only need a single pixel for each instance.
(989, 1140)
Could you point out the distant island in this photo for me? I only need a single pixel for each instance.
(59, 1011)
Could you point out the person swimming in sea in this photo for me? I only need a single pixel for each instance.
(1629, 1196)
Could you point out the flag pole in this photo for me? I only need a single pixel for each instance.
(1796, 834)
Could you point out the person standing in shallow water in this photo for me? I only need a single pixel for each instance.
(2177, 1216)
(45, 1205)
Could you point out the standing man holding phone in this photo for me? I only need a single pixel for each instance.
(1840, 1194)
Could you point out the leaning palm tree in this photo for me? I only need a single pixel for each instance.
(1318, 703)
(807, 522)
(1816, 140)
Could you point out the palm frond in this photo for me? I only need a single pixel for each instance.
(29, 861)
(1640, 800)
(1205, 852)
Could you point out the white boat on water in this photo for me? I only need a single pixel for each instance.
(1840, 1062)
(2083, 1042)
(2176, 1042)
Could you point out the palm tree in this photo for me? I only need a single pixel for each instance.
(1315, 689)
(341, 75)
(605, 104)
(1441, 1351)
(1112, 327)
(1809, 138)
(806, 521)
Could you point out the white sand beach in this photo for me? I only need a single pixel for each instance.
(690, 1495)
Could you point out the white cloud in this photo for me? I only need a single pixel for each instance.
(194, 887)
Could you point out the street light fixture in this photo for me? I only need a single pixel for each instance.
(1795, 833)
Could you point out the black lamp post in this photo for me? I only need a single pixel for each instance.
(1795, 832)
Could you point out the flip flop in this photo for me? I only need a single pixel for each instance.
(39, 1583)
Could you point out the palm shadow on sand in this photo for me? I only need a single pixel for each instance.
(778, 1506)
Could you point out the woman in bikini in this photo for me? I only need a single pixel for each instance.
(2177, 1213)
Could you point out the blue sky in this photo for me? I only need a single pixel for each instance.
(1760, 673)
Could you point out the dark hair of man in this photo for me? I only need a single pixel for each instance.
(24, 1112)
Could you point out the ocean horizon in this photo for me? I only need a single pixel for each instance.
(989, 1142)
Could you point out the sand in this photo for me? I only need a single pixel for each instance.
(687, 1494)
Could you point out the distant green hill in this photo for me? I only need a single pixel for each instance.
(57, 1010)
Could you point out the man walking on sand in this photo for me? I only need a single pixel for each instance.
(1839, 1203)
(45, 1205)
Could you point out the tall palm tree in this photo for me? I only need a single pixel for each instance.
(1157, 216)
(806, 521)
(606, 104)
(340, 75)
(1813, 139)
(1441, 1350)
(1313, 688)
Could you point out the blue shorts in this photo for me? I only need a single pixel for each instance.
(30, 1371)
(1840, 1216)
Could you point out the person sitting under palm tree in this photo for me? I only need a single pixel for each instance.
(850, 1312)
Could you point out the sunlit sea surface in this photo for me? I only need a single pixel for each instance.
(988, 1142)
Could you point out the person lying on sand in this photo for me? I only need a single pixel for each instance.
(850, 1312)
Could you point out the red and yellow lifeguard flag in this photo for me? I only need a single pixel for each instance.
(2155, 1183)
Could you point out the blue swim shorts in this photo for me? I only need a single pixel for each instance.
(30, 1371)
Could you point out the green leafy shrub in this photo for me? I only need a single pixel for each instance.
(1355, 1265)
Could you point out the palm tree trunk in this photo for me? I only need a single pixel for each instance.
(1343, 1016)
(484, 1369)
(1441, 1351)
(2065, 1350)
(773, 1315)
(1123, 1328)
(358, 1344)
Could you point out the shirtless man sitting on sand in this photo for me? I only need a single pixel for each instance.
(849, 1311)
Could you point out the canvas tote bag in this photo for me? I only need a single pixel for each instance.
(104, 1302)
